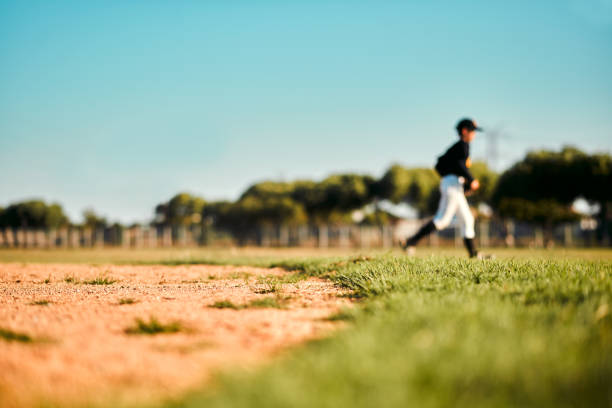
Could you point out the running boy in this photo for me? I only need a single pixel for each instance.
(453, 166)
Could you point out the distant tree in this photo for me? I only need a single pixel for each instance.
(269, 211)
(55, 217)
(216, 212)
(330, 200)
(551, 181)
(250, 212)
(543, 212)
(269, 203)
(488, 181)
(310, 195)
(378, 217)
(339, 194)
(410, 185)
(244, 216)
(562, 176)
(269, 189)
(92, 220)
(182, 209)
(33, 214)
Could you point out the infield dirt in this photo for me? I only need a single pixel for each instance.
(77, 317)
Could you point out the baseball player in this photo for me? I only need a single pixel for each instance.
(457, 181)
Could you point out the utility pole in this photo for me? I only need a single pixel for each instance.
(492, 148)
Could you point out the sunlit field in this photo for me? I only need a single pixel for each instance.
(262, 256)
(529, 328)
(203, 204)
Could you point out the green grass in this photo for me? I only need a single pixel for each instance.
(270, 284)
(435, 331)
(276, 302)
(153, 326)
(225, 304)
(271, 302)
(263, 257)
(100, 280)
(530, 329)
(127, 301)
(345, 314)
(239, 275)
(70, 279)
(10, 335)
(41, 303)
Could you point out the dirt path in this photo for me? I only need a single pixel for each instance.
(82, 354)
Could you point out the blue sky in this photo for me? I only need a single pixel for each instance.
(117, 105)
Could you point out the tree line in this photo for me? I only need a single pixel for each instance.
(540, 188)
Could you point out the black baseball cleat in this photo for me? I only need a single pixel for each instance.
(408, 246)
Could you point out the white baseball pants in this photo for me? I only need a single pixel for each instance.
(453, 202)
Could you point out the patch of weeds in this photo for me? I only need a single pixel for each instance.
(239, 275)
(306, 268)
(342, 315)
(70, 279)
(212, 277)
(47, 281)
(100, 280)
(271, 285)
(40, 303)
(187, 348)
(353, 260)
(10, 335)
(276, 302)
(225, 304)
(127, 301)
(292, 278)
(347, 295)
(153, 326)
(267, 302)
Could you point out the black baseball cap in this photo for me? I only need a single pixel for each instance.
(468, 124)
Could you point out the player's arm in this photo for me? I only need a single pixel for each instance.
(464, 164)
(470, 183)
(458, 156)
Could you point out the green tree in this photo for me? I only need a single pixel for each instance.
(182, 209)
(488, 181)
(378, 217)
(244, 216)
(543, 212)
(269, 189)
(330, 200)
(216, 212)
(414, 186)
(92, 220)
(339, 194)
(33, 214)
(553, 180)
(55, 217)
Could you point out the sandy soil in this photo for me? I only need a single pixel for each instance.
(82, 354)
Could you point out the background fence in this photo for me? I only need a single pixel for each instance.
(489, 233)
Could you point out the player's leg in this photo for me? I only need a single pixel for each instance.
(446, 210)
(467, 225)
(448, 207)
(425, 230)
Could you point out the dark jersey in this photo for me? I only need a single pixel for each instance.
(456, 161)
